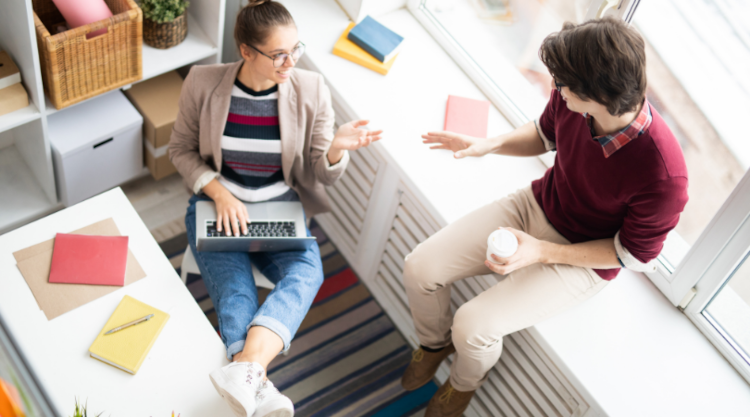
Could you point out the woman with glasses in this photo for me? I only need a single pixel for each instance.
(252, 131)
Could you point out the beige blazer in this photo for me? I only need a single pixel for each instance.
(306, 123)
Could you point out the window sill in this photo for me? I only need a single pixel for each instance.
(633, 351)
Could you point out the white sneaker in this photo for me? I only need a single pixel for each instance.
(238, 384)
(272, 403)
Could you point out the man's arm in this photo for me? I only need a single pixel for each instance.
(597, 254)
(524, 141)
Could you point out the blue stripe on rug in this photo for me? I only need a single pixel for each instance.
(408, 403)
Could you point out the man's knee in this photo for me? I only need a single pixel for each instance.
(419, 271)
(472, 330)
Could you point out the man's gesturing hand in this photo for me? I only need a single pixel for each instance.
(461, 145)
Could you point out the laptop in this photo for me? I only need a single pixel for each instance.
(274, 226)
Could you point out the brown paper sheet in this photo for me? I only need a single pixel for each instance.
(55, 299)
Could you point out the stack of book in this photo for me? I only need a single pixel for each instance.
(12, 94)
(369, 44)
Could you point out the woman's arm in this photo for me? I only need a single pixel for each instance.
(184, 142)
(184, 152)
(322, 136)
(329, 156)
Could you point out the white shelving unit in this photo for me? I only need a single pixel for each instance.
(27, 179)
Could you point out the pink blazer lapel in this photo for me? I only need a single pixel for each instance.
(219, 110)
(288, 125)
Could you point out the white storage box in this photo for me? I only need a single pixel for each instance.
(96, 145)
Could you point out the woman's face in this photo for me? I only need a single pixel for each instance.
(281, 40)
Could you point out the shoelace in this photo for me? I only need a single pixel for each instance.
(446, 397)
(250, 371)
(264, 387)
(417, 355)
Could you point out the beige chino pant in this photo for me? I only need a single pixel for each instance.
(520, 300)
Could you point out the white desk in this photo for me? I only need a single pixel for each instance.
(174, 375)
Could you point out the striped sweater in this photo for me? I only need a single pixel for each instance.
(251, 147)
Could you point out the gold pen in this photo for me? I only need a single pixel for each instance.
(132, 323)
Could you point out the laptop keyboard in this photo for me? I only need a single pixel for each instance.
(257, 229)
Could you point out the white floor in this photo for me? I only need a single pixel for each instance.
(161, 204)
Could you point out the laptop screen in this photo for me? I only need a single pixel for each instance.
(20, 391)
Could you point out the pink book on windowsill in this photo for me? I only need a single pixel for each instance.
(85, 259)
(467, 116)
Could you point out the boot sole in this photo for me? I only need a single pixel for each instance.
(279, 413)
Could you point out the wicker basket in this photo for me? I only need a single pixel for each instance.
(165, 35)
(75, 68)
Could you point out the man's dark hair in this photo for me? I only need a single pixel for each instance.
(603, 60)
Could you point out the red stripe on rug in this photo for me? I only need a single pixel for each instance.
(253, 120)
(336, 283)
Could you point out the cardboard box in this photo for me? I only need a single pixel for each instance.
(9, 73)
(157, 161)
(13, 98)
(157, 99)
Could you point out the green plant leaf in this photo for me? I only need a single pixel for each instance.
(163, 11)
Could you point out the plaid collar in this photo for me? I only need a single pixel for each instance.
(611, 143)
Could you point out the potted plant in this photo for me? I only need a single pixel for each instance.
(164, 22)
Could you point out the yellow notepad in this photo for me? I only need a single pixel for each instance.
(126, 349)
(349, 50)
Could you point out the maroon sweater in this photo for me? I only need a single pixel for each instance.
(640, 190)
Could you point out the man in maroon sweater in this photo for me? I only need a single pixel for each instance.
(617, 188)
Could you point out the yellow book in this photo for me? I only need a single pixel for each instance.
(349, 50)
(126, 349)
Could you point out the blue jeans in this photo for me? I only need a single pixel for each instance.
(229, 280)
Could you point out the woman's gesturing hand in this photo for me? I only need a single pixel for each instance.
(350, 137)
(460, 145)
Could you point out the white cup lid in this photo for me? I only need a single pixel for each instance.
(503, 241)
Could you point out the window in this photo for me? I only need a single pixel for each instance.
(698, 61)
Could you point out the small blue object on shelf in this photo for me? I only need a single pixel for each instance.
(376, 39)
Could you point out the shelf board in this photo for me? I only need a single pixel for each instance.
(195, 47)
(26, 199)
(19, 117)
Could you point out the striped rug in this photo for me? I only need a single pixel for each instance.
(347, 357)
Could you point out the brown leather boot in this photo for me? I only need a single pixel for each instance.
(423, 367)
(447, 402)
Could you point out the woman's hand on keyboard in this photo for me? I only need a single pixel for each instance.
(231, 213)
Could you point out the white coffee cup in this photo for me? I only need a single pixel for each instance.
(501, 243)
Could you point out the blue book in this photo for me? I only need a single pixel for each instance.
(376, 39)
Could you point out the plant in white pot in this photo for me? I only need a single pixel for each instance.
(164, 22)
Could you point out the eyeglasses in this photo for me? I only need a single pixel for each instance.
(559, 86)
(280, 59)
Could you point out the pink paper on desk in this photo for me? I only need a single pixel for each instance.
(86, 259)
(467, 116)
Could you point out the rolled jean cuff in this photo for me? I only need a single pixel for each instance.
(234, 349)
(275, 326)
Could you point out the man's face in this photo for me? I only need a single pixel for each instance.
(578, 104)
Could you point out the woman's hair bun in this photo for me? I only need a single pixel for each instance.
(253, 3)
